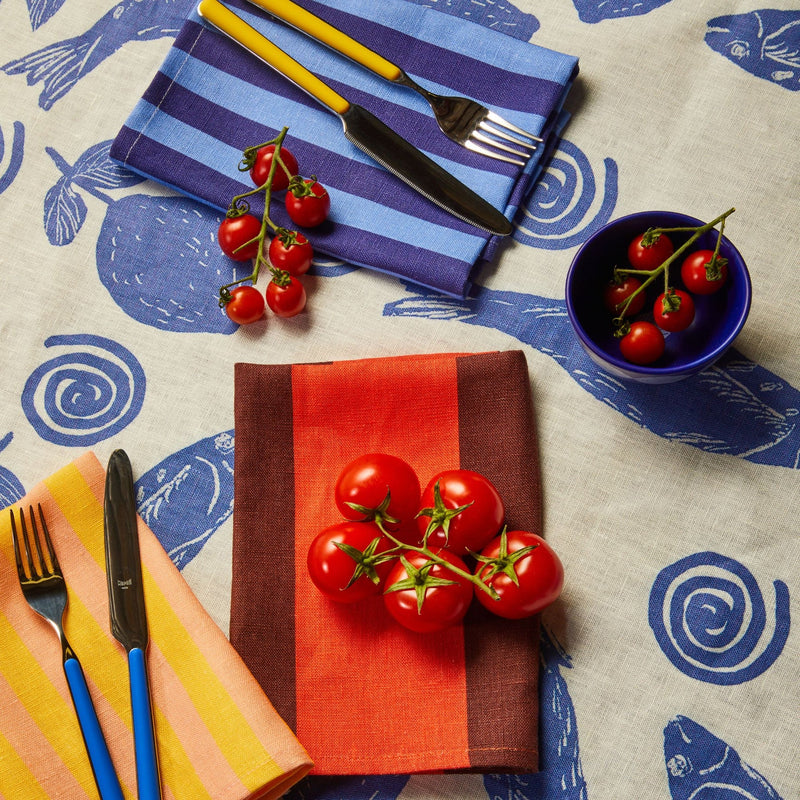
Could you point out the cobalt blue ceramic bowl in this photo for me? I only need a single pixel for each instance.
(719, 317)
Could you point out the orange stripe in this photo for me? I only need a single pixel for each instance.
(338, 416)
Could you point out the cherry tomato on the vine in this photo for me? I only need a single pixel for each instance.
(539, 575)
(424, 596)
(461, 510)
(619, 290)
(233, 232)
(246, 305)
(291, 252)
(260, 170)
(378, 486)
(674, 319)
(699, 276)
(286, 296)
(643, 344)
(649, 256)
(341, 561)
(307, 203)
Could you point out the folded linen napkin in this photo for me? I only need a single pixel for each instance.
(364, 695)
(211, 99)
(217, 735)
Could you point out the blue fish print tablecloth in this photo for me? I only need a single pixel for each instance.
(669, 665)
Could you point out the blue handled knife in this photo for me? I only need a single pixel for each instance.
(128, 614)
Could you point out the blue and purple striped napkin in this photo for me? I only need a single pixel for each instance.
(211, 99)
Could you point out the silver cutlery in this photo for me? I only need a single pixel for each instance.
(128, 614)
(465, 121)
(365, 130)
(45, 590)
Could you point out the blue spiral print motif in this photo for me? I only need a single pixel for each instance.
(85, 395)
(565, 208)
(709, 618)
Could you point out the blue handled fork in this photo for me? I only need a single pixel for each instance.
(43, 586)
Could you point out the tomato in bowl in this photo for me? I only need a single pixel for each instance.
(719, 315)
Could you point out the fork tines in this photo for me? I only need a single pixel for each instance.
(494, 131)
(37, 567)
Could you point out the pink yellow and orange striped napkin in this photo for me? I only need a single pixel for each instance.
(218, 735)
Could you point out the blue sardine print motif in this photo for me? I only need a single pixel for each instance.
(10, 164)
(598, 10)
(709, 618)
(39, 11)
(61, 65)
(735, 407)
(561, 774)
(766, 43)
(89, 392)
(187, 496)
(701, 766)
(495, 14)
(11, 489)
(565, 207)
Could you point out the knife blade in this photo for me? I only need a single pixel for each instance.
(365, 130)
(128, 613)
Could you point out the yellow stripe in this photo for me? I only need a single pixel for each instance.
(85, 516)
(45, 706)
(229, 728)
(15, 774)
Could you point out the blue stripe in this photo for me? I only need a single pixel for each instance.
(239, 73)
(343, 240)
(212, 98)
(370, 215)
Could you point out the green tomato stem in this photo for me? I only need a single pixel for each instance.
(401, 547)
(697, 232)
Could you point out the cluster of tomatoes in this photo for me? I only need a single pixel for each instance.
(429, 551)
(702, 272)
(241, 235)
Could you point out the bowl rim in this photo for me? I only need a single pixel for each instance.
(644, 370)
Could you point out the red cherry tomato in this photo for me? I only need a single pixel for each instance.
(344, 552)
(674, 319)
(618, 291)
(234, 232)
(260, 171)
(698, 274)
(245, 306)
(307, 203)
(467, 513)
(649, 256)
(643, 344)
(378, 486)
(286, 296)
(539, 575)
(291, 252)
(424, 596)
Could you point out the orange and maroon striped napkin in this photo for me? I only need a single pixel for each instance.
(217, 734)
(364, 695)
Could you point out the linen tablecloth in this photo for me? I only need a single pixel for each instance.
(682, 500)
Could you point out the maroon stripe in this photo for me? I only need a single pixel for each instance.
(498, 439)
(262, 590)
